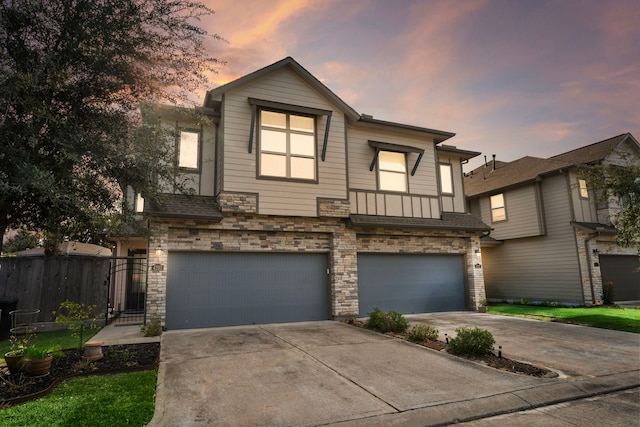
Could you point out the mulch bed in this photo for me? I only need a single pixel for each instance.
(18, 388)
(492, 360)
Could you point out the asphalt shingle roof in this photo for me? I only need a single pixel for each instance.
(183, 206)
(486, 180)
(449, 221)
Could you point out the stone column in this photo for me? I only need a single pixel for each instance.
(344, 274)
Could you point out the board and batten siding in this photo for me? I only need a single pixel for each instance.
(421, 199)
(281, 197)
(455, 203)
(543, 267)
(523, 214)
(584, 209)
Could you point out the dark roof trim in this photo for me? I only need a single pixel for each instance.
(463, 154)
(594, 227)
(449, 221)
(396, 148)
(437, 135)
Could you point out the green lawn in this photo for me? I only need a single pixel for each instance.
(619, 319)
(105, 400)
(58, 340)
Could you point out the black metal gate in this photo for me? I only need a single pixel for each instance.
(127, 290)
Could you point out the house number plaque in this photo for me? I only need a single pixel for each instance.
(157, 268)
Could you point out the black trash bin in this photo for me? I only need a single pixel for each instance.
(6, 305)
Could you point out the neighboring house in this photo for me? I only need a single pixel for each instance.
(307, 210)
(550, 240)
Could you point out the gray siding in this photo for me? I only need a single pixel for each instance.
(281, 197)
(523, 214)
(421, 200)
(584, 209)
(538, 268)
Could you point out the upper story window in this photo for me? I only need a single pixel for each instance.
(139, 203)
(446, 178)
(582, 185)
(498, 210)
(287, 145)
(392, 171)
(188, 149)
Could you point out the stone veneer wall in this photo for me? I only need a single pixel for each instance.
(256, 233)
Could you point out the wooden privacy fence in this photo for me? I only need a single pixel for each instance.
(43, 282)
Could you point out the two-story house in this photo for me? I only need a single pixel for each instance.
(307, 210)
(552, 240)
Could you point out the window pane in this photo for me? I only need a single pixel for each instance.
(139, 204)
(273, 165)
(497, 201)
(584, 193)
(188, 150)
(302, 144)
(393, 181)
(303, 168)
(446, 181)
(498, 214)
(388, 161)
(273, 141)
(301, 123)
(271, 119)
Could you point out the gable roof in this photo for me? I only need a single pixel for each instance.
(485, 180)
(593, 152)
(298, 69)
(352, 115)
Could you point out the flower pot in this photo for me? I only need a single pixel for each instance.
(38, 367)
(93, 350)
(14, 361)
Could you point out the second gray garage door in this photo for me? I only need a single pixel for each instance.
(411, 283)
(622, 270)
(207, 289)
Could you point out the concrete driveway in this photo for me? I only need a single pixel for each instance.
(320, 373)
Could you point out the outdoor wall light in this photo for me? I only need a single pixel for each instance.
(158, 250)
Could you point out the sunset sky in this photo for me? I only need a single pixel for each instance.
(512, 77)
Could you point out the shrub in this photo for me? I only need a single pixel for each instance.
(391, 321)
(472, 342)
(524, 301)
(608, 293)
(421, 332)
(152, 329)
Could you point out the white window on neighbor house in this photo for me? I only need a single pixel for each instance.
(446, 178)
(392, 171)
(287, 145)
(582, 185)
(498, 210)
(188, 149)
(139, 203)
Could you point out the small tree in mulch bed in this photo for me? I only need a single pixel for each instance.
(77, 317)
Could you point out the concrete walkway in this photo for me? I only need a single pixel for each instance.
(126, 334)
(329, 373)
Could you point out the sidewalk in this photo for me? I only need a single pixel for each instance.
(126, 334)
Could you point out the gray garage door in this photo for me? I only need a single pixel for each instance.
(223, 289)
(411, 283)
(622, 271)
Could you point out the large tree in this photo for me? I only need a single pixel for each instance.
(73, 74)
(619, 184)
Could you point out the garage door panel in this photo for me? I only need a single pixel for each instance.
(410, 283)
(622, 270)
(223, 289)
